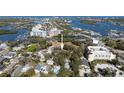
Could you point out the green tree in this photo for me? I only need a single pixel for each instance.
(75, 62)
(32, 48)
(59, 59)
(28, 73)
(65, 73)
(5, 74)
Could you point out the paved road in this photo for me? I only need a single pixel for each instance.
(83, 35)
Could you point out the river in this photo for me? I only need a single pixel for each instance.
(100, 27)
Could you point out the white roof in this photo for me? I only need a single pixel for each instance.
(3, 45)
(26, 67)
(34, 29)
(98, 48)
(56, 69)
(50, 62)
(102, 52)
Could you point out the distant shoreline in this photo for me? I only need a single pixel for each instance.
(3, 32)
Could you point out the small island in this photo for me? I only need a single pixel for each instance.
(7, 32)
(117, 21)
(91, 22)
(16, 24)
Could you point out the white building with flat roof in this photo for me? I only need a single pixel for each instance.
(99, 53)
(37, 31)
(95, 41)
(3, 46)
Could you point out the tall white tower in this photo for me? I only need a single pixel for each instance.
(62, 44)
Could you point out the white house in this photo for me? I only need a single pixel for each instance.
(41, 69)
(41, 55)
(3, 46)
(10, 55)
(95, 41)
(50, 62)
(50, 49)
(38, 69)
(26, 67)
(84, 68)
(56, 69)
(99, 53)
(66, 65)
(18, 48)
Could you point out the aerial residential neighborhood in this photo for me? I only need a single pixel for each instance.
(61, 47)
(54, 46)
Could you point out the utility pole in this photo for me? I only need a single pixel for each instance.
(62, 44)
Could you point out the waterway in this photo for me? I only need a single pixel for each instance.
(20, 35)
(100, 27)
